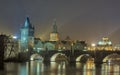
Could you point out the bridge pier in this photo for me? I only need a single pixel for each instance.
(98, 69)
(24, 56)
(98, 57)
(72, 59)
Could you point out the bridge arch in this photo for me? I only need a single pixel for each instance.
(112, 57)
(83, 58)
(59, 57)
(36, 57)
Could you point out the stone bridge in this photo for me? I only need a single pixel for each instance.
(69, 55)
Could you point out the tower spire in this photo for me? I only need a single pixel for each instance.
(27, 23)
(54, 26)
(54, 35)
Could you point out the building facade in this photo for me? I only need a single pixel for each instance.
(103, 44)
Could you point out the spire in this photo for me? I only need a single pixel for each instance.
(54, 26)
(27, 22)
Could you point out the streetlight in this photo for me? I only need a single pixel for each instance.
(93, 46)
(14, 37)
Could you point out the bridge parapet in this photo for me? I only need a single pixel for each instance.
(72, 55)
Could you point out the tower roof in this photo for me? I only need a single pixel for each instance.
(68, 38)
(27, 23)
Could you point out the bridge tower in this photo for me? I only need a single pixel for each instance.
(26, 40)
(26, 36)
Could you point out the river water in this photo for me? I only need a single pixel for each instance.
(61, 68)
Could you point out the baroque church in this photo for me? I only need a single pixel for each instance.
(29, 42)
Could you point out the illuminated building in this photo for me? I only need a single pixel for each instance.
(117, 47)
(26, 36)
(54, 35)
(104, 44)
(67, 43)
(10, 45)
(54, 40)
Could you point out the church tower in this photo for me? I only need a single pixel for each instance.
(26, 36)
(54, 35)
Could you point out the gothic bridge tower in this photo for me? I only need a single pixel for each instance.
(26, 36)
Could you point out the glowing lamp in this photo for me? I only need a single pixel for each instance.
(93, 45)
(14, 37)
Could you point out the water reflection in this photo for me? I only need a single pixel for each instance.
(89, 68)
(35, 67)
(110, 69)
(60, 68)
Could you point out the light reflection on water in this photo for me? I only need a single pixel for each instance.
(61, 68)
(110, 69)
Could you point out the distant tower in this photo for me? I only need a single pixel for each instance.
(54, 35)
(26, 36)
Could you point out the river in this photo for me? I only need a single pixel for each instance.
(59, 68)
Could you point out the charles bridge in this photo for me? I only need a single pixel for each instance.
(69, 55)
(55, 55)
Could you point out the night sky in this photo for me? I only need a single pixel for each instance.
(88, 20)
